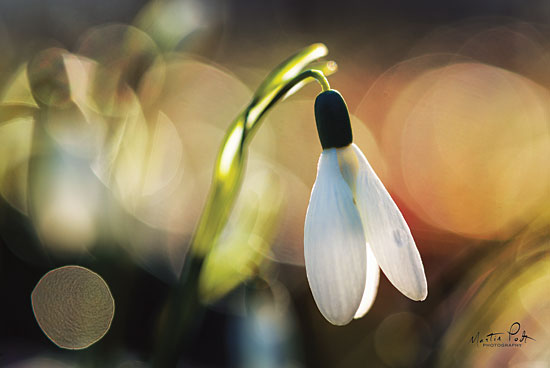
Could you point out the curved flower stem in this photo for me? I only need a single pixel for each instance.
(253, 116)
(184, 311)
(232, 161)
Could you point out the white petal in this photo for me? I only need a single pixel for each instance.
(388, 234)
(334, 244)
(371, 284)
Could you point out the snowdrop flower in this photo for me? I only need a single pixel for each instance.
(353, 226)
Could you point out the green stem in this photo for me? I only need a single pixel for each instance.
(228, 176)
(184, 310)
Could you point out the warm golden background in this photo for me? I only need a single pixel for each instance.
(450, 103)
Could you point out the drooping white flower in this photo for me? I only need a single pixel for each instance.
(353, 226)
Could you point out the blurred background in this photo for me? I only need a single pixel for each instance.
(111, 114)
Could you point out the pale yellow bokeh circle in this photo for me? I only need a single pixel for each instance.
(73, 306)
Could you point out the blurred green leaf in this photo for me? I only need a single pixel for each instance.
(246, 239)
